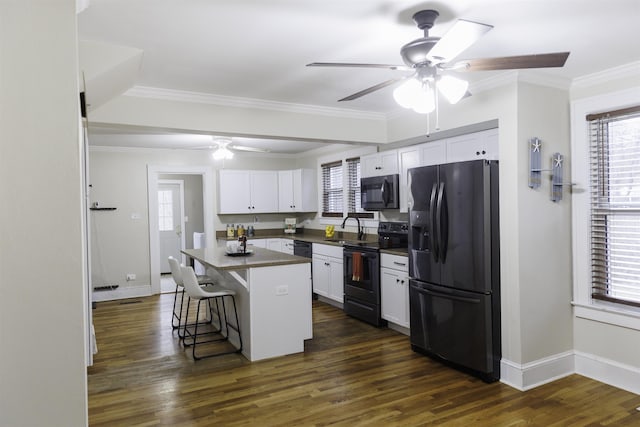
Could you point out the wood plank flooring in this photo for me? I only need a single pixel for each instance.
(351, 374)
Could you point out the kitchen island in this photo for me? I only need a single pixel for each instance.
(273, 298)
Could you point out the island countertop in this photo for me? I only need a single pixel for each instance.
(218, 258)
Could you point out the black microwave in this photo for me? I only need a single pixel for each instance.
(380, 192)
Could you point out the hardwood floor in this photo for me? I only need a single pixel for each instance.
(350, 374)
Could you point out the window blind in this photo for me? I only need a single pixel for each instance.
(332, 184)
(353, 185)
(615, 205)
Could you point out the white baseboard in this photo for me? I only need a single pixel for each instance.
(122, 293)
(533, 374)
(608, 371)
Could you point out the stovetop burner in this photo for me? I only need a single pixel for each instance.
(393, 235)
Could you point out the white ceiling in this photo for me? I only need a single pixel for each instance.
(258, 49)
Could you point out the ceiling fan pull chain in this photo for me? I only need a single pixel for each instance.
(435, 99)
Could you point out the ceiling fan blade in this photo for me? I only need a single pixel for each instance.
(250, 149)
(545, 60)
(373, 88)
(356, 65)
(459, 37)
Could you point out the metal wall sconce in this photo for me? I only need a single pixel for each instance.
(535, 169)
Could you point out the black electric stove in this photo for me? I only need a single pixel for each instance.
(362, 272)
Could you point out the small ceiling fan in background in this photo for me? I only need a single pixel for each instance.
(430, 61)
(224, 148)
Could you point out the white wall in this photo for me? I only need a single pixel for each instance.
(544, 227)
(205, 116)
(120, 244)
(42, 298)
(606, 344)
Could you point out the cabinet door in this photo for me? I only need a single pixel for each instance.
(264, 191)
(474, 146)
(394, 296)
(378, 164)
(407, 158)
(286, 192)
(433, 153)
(336, 281)
(287, 246)
(274, 244)
(234, 192)
(321, 274)
(305, 191)
(258, 243)
(370, 165)
(389, 162)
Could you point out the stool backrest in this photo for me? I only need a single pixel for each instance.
(175, 270)
(190, 283)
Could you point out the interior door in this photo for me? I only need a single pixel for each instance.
(170, 222)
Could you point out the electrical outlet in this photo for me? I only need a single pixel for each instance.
(131, 277)
(282, 290)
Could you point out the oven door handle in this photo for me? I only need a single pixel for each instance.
(432, 223)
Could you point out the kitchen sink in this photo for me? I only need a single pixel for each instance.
(341, 241)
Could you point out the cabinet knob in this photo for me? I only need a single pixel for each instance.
(484, 152)
(477, 153)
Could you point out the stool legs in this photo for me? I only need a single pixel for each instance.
(191, 338)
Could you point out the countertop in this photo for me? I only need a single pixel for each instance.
(317, 236)
(218, 258)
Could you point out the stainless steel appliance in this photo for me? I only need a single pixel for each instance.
(380, 192)
(454, 265)
(362, 272)
(302, 248)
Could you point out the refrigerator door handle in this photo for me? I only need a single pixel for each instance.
(449, 296)
(442, 219)
(432, 222)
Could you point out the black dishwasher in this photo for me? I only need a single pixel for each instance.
(301, 248)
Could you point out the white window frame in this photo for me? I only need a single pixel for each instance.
(370, 223)
(584, 305)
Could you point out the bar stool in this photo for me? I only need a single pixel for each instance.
(177, 278)
(218, 294)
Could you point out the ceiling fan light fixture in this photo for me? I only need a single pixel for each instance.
(452, 88)
(222, 153)
(405, 94)
(415, 95)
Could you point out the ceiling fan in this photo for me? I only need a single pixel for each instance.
(225, 148)
(430, 60)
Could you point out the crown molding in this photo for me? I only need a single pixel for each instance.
(629, 70)
(232, 101)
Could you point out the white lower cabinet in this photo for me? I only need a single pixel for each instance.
(327, 264)
(394, 285)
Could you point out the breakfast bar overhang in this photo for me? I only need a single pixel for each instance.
(273, 297)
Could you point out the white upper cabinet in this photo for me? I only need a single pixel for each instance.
(408, 157)
(378, 164)
(433, 153)
(479, 145)
(244, 191)
(297, 191)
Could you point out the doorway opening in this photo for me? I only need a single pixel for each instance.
(171, 231)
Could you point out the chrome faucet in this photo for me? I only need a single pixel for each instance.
(360, 232)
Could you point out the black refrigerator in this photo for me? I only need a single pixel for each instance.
(454, 265)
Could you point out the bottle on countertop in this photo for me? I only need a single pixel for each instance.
(230, 230)
(250, 231)
(240, 230)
